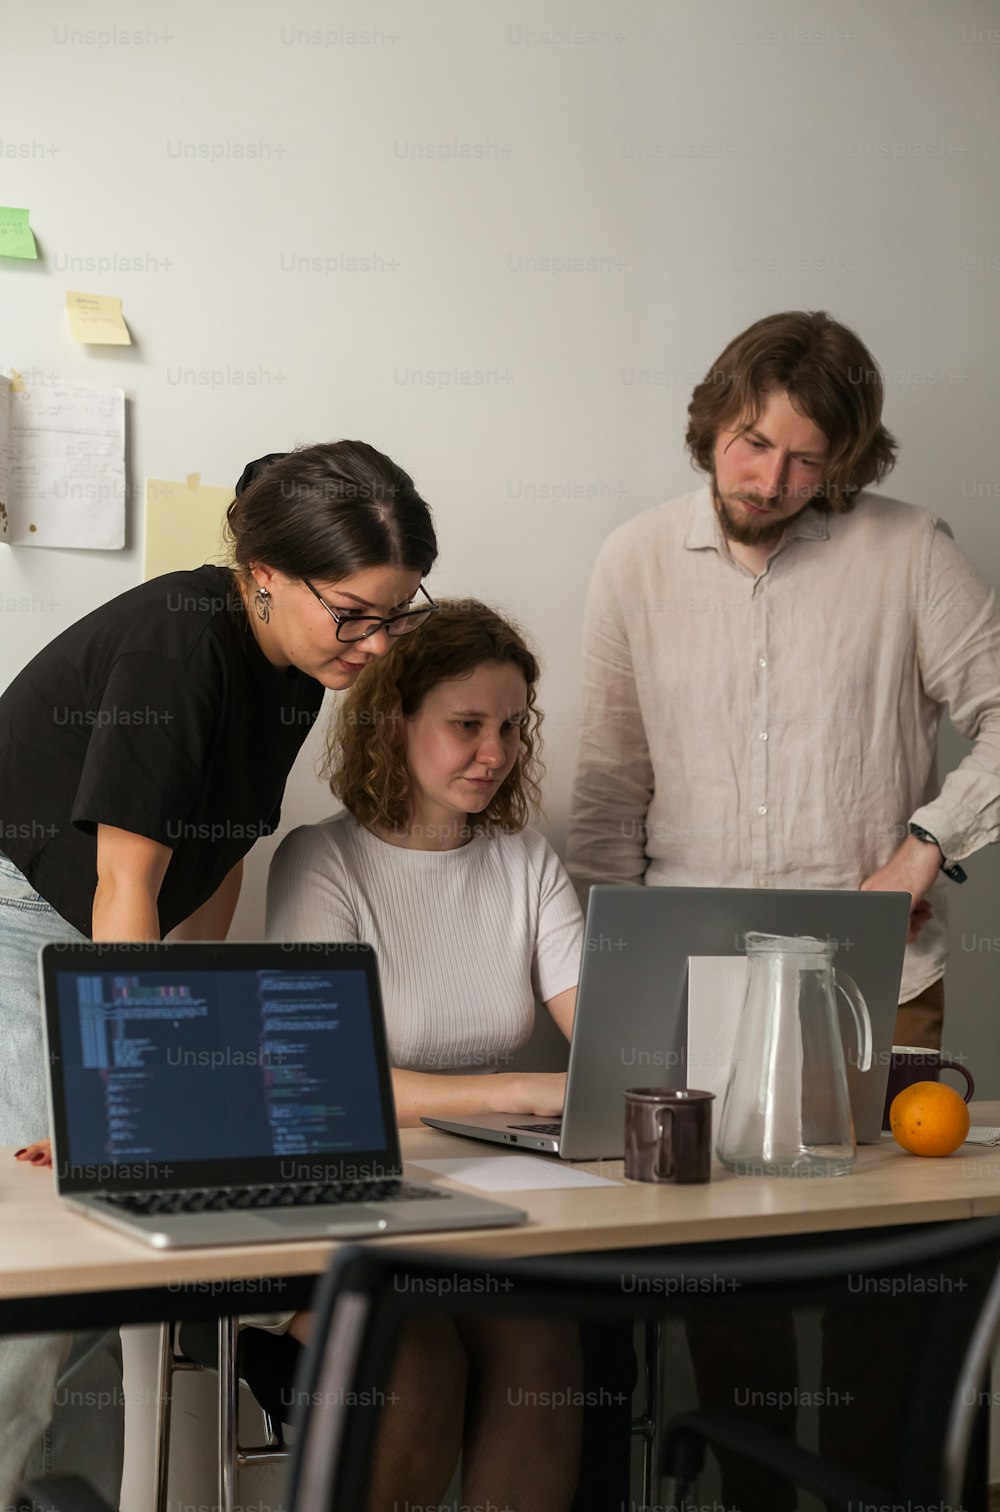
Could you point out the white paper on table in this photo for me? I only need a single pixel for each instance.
(716, 985)
(982, 1134)
(512, 1173)
(66, 466)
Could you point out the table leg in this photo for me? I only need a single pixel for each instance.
(228, 1407)
(649, 1426)
(164, 1392)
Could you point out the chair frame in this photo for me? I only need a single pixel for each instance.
(233, 1456)
(361, 1307)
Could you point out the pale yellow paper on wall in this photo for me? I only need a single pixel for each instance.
(183, 525)
(96, 319)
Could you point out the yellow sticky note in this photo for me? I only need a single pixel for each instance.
(97, 318)
(183, 525)
(16, 239)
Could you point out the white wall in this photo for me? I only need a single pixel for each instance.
(719, 160)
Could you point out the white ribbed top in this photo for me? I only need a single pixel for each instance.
(466, 939)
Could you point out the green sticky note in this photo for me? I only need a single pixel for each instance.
(16, 239)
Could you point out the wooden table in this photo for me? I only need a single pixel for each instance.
(58, 1269)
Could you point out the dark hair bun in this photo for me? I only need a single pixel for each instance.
(328, 511)
(254, 469)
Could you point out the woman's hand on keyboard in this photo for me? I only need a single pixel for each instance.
(420, 1093)
(39, 1153)
(540, 1093)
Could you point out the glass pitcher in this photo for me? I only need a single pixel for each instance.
(786, 1111)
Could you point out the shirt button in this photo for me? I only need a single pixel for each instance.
(762, 661)
(762, 809)
(762, 735)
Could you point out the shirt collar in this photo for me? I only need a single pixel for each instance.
(705, 530)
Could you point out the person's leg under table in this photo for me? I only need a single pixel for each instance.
(60, 1394)
(751, 1370)
(868, 1369)
(86, 1435)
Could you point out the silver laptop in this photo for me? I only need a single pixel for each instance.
(630, 1027)
(206, 1094)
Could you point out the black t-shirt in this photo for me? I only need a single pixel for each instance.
(157, 713)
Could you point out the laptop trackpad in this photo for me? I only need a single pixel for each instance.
(352, 1216)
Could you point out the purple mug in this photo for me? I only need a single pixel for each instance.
(910, 1063)
(668, 1134)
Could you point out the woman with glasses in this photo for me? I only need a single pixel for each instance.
(146, 748)
(434, 753)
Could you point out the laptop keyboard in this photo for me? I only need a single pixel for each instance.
(546, 1128)
(235, 1199)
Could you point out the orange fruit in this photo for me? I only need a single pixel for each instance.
(929, 1118)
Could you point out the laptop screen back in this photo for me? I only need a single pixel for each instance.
(176, 1065)
(639, 943)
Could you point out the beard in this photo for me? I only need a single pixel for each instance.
(746, 530)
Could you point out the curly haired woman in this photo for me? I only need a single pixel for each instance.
(434, 754)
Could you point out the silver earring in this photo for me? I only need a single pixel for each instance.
(262, 604)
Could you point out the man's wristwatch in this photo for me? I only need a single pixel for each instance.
(954, 871)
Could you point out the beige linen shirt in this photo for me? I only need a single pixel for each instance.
(780, 730)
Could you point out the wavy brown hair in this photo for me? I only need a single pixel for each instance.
(366, 744)
(830, 377)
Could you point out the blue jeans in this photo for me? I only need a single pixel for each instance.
(61, 1401)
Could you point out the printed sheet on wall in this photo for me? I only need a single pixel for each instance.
(62, 465)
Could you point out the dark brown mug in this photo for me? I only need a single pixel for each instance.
(668, 1134)
(910, 1063)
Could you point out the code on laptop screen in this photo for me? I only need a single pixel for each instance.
(202, 1065)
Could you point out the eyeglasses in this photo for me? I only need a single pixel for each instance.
(358, 627)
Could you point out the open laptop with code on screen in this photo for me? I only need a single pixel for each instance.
(206, 1094)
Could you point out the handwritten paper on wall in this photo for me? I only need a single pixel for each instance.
(97, 319)
(16, 239)
(62, 448)
(183, 525)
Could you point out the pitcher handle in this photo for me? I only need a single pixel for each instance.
(859, 1008)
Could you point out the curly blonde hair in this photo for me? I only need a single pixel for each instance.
(365, 761)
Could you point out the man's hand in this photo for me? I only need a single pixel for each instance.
(913, 869)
